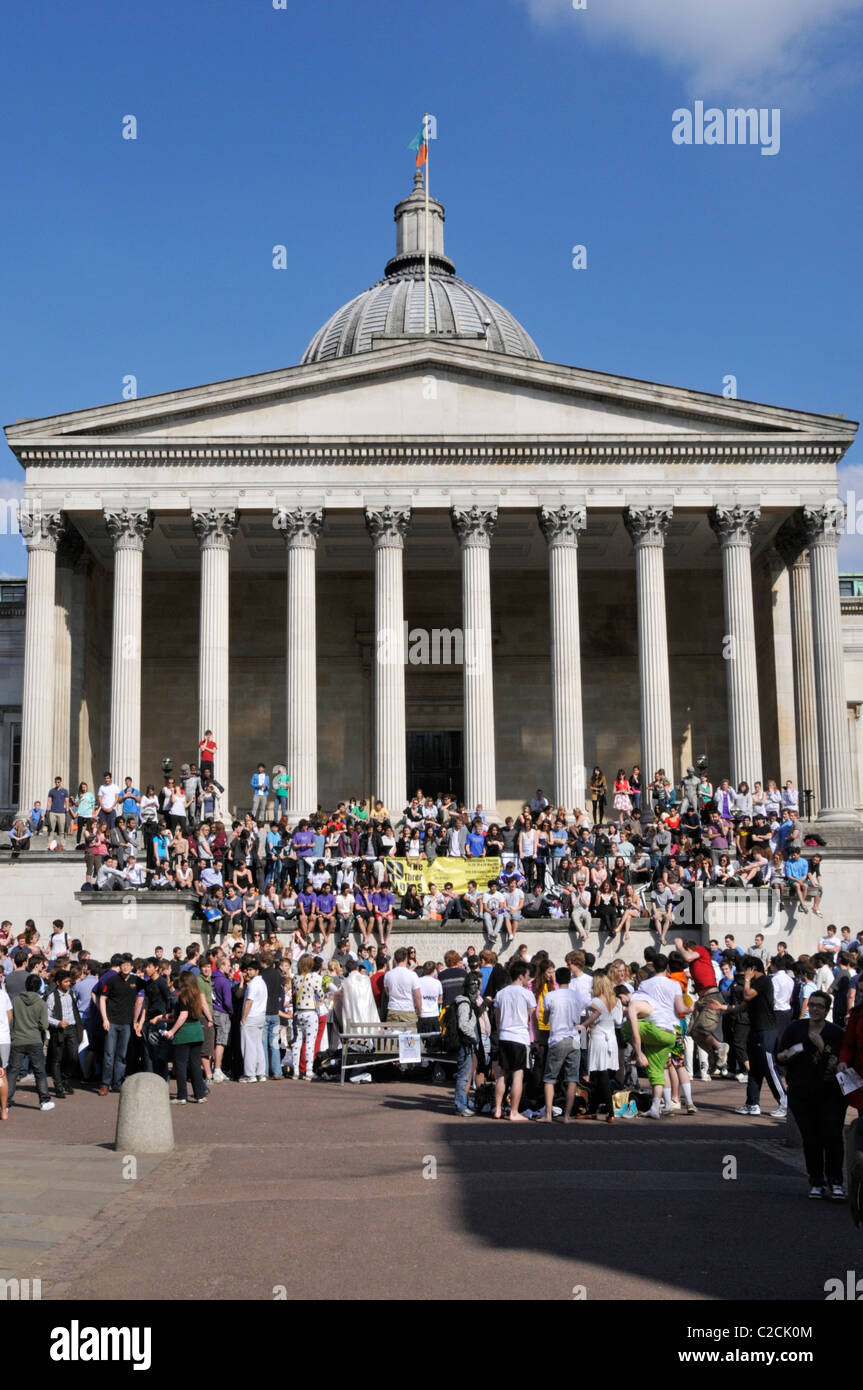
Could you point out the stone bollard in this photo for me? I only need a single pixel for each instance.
(144, 1124)
(793, 1138)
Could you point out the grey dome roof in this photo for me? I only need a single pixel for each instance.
(395, 306)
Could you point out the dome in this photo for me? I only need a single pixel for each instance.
(395, 306)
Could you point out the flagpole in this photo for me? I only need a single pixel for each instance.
(428, 143)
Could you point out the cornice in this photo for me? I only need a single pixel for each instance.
(643, 452)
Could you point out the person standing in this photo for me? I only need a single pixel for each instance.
(468, 1038)
(187, 1036)
(117, 998)
(28, 1032)
(308, 994)
(402, 989)
(604, 1012)
(761, 1046)
(66, 1034)
(207, 748)
(58, 802)
(513, 1007)
(563, 1008)
(598, 788)
(810, 1050)
(260, 785)
(253, 1021)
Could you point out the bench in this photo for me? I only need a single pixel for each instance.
(383, 1039)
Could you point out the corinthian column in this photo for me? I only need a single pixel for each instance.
(128, 529)
(215, 530)
(823, 527)
(561, 527)
(388, 527)
(301, 527)
(69, 553)
(474, 527)
(735, 527)
(648, 527)
(791, 544)
(41, 532)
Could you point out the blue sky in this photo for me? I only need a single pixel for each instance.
(259, 126)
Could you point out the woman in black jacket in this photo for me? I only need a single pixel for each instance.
(809, 1051)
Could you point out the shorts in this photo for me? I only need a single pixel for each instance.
(706, 1020)
(512, 1057)
(656, 1044)
(222, 1022)
(563, 1057)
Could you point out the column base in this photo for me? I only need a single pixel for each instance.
(839, 815)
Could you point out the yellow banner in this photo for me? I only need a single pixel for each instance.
(458, 872)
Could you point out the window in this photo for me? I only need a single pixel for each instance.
(13, 593)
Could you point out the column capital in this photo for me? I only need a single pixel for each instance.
(562, 525)
(388, 526)
(647, 525)
(129, 527)
(792, 541)
(824, 524)
(40, 530)
(734, 525)
(474, 525)
(215, 527)
(300, 526)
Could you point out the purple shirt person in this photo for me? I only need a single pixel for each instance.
(326, 902)
(383, 903)
(306, 902)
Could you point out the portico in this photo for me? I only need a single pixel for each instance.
(610, 550)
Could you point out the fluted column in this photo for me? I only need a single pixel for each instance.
(80, 752)
(648, 527)
(128, 529)
(301, 527)
(41, 532)
(791, 544)
(388, 527)
(823, 526)
(561, 527)
(474, 527)
(215, 529)
(735, 527)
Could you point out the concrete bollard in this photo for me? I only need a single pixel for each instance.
(144, 1124)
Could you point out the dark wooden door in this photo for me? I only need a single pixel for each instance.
(435, 763)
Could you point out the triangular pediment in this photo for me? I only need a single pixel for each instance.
(430, 390)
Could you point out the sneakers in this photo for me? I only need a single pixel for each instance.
(747, 1110)
(816, 1193)
(780, 1112)
(246, 1080)
(218, 1075)
(803, 907)
(690, 1109)
(837, 1192)
(742, 1078)
(202, 1101)
(466, 1114)
(675, 1105)
(46, 1105)
(176, 1101)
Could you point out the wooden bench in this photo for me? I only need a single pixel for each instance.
(384, 1045)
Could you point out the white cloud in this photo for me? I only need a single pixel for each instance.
(738, 47)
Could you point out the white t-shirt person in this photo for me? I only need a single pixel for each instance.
(5, 1006)
(431, 990)
(563, 1009)
(515, 1004)
(662, 992)
(108, 794)
(399, 985)
(256, 991)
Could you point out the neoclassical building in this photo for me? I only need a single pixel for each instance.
(438, 560)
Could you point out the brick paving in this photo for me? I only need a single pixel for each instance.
(380, 1191)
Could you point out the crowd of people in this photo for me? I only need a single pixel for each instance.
(529, 1040)
(332, 872)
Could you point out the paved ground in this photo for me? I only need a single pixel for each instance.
(319, 1190)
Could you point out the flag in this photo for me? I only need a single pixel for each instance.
(420, 145)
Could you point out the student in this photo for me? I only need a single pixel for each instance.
(513, 1007)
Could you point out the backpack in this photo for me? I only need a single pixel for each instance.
(452, 1039)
